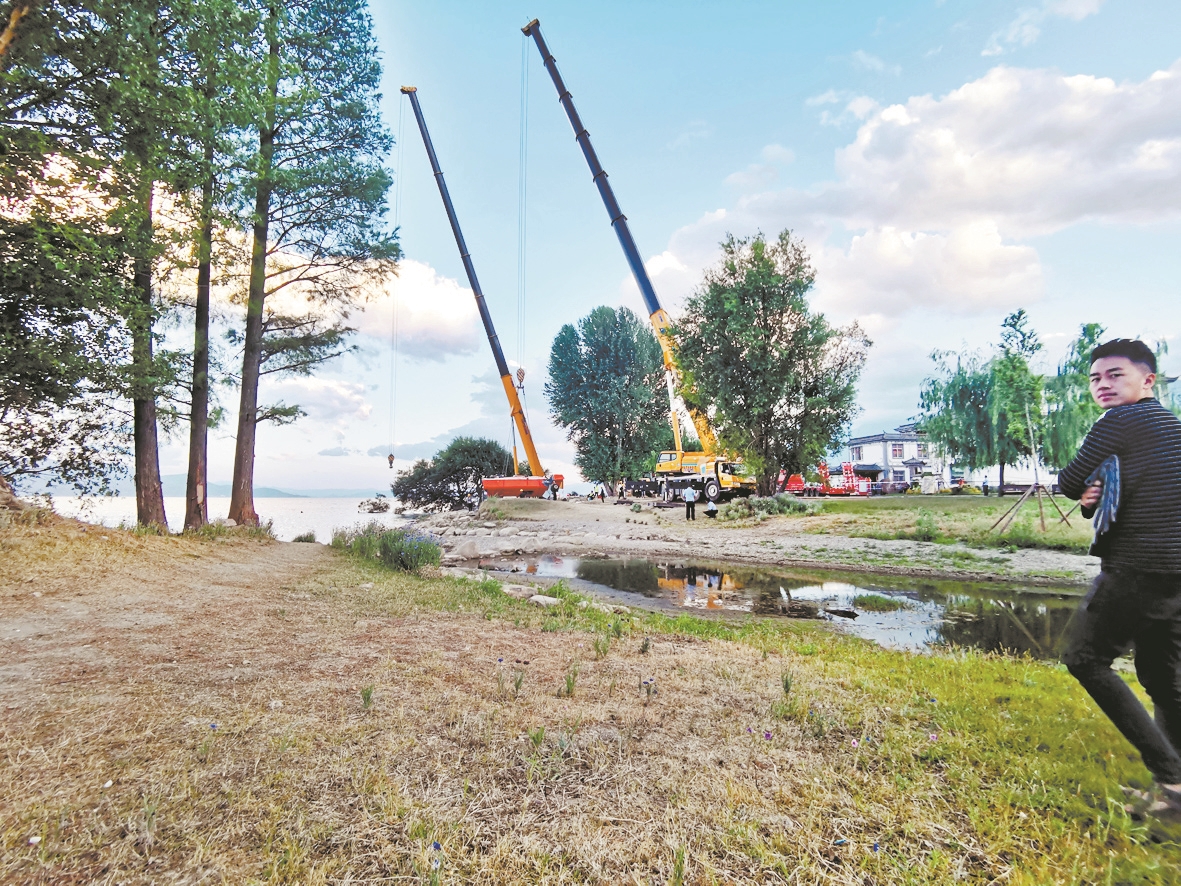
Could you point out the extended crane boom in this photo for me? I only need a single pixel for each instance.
(506, 378)
(660, 319)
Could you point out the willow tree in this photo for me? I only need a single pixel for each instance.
(606, 388)
(778, 380)
(954, 410)
(1071, 410)
(315, 190)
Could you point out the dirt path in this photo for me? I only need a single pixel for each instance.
(97, 605)
(594, 529)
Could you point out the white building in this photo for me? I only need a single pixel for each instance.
(903, 456)
(900, 456)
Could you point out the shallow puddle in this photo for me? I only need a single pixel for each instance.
(997, 618)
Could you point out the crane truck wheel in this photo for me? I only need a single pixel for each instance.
(712, 490)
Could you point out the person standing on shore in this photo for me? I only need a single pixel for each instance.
(1136, 600)
(690, 496)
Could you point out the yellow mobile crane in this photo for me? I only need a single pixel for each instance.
(714, 474)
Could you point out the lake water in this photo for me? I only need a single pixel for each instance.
(993, 617)
(290, 516)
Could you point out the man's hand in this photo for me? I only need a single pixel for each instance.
(1090, 498)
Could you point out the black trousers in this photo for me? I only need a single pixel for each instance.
(690, 510)
(1142, 610)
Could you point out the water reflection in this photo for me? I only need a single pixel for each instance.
(980, 615)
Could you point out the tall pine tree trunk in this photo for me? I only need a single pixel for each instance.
(1000, 489)
(196, 492)
(242, 494)
(149, 492)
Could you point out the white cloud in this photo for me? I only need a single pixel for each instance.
(755, 177)
(1026, 26)
(940, 193)
(968, 270)
(865, 61)
(326, 401)
(437, 317)
(778, 154)
(335, 452)
(696, 130)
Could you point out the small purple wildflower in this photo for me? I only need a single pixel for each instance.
(749, 730)
(436, 846)
(875, 847)
(853, 742)
(934, 736)
(212, 725)
(767, 735)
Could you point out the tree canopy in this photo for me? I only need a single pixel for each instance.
(997, 411)
(451, 481)
(778, 381)
(606, 388)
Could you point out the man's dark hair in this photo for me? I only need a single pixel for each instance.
(1132, 348)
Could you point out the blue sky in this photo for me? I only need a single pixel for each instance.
(945, 162)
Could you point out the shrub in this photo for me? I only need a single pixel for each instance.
(306, 537)
(925, 527)
(636, 508)
(400, 549)
(760, 507)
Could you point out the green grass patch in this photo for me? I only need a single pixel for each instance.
(400, 549)
(878, 603)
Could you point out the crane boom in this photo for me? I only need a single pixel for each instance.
(485, 317)
(656, 313)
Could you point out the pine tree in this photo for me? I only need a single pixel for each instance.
(316, 187)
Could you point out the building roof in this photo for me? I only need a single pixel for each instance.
(901, 434)
(867, 469)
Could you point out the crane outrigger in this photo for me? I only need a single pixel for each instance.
(539, 482)
(713, 473)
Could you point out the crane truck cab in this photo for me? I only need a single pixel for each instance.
(715, 478)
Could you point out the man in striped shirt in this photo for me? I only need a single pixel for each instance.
(1136, 600)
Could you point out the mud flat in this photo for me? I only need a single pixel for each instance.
(515, 527)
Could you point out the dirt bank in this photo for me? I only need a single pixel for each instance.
(510, 527)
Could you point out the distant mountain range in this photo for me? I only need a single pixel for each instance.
(174, 486)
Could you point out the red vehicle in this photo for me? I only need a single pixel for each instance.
(795, 485)
(845, 483)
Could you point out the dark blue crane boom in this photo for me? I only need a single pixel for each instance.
(656, 313)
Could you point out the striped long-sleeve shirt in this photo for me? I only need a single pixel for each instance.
(1146, 535)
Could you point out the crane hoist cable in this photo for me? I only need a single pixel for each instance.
(522, 232)
(393, 428)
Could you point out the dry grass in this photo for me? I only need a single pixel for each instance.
(301, 782)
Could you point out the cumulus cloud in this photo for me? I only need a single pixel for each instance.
(1026, 26)
(934, 197)
(967, 270)
(328, 401)
(335, 451)
(437, 317)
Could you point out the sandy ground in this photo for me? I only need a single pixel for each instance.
(594, 529)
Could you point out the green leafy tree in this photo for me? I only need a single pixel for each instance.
(779, 381)
(1071, 410)
(79, 131)
(1016, 402)
(606, 388)
(216, 43)
(954, 410)
(316, 188)
(452, 480)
